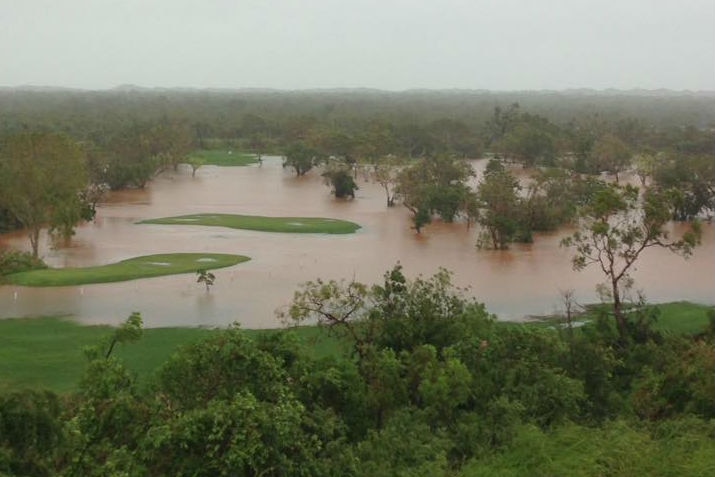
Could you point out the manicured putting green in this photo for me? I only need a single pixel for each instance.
(308, 225)
(131, 269)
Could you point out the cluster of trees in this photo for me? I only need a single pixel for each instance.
(51, 180)
(44, 183)
(427, 383)
(432, 179)
(419, 160)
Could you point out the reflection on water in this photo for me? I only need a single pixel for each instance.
(523, 280)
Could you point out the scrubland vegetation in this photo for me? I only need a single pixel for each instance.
(408, 377)
(411, 376)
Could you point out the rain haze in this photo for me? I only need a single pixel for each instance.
(386, 44)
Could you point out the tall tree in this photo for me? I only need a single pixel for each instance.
(386, 172)
(339, 177)
(300, 157)
(42, 176)
(499, 204)
(616, 227)
(611, 154)
(434, 185)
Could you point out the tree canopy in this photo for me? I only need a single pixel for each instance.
(42, 177)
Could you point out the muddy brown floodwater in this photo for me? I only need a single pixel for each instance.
(522, 281)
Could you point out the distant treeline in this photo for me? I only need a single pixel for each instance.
(226, 113)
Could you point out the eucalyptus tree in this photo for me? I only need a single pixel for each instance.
(42, 177)
(339, 177)
(300, 157)
(386, 172)
(611, 154)
(616, 227)
(435, 185)
(500, 207)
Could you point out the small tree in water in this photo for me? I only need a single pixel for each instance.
(205, 277)
(341, 180)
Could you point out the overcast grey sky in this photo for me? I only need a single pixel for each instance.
(386, 44)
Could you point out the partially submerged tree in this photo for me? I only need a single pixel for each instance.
(300, 157)
(386, 172)
(435, 185)
(339, 177)
(195, 163)
(611, 155)
(205, 277)
(616, 227)
(42, 178)
(498, 200)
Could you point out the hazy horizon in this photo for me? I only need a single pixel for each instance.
(388, 45)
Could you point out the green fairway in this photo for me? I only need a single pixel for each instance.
(313, 225)
(131, 269)
(223, 157)
(46, 353)
(682, 317)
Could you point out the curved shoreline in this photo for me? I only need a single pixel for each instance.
(147, 266)
(305, 225)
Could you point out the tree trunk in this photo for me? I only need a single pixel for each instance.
(618, 311)
(35, 240)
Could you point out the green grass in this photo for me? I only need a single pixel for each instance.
(682, 317)
(47, 353)
(312, 225)
(677, 317)
(134, 268)
(221, 157)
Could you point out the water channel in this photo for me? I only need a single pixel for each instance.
(525, 280)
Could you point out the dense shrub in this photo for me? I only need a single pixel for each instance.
(12, 261)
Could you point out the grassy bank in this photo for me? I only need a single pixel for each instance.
(224, 158)
(675, 317)
(134, 268)
(313, 225)
(47, 352)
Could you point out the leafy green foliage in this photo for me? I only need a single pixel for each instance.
(31, 432)
(617, 225)
(341, 180)
(221, 157)
(42, 176)
(205, 277)
(430, 385)
(300, 157)
(500, 207)
(435, 185)
(12, 261)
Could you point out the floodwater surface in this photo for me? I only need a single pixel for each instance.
(525, 280)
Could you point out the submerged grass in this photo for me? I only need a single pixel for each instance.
(314, 225)
(224, 158)
(134, 268)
